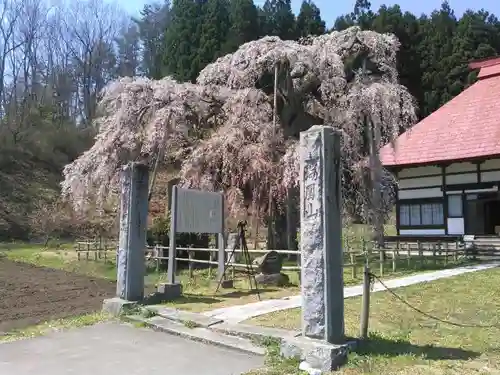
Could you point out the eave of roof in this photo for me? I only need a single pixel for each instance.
(465, 128)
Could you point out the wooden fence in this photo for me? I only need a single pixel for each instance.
(95, 249)
(395, 255)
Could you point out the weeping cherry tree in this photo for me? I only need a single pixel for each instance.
(219, 133)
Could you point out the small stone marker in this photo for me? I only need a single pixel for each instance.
(269, 266)
(233, 242)
(269, 263)
(322, 343)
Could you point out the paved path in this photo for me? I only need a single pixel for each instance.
(237, 314)
(114, 348)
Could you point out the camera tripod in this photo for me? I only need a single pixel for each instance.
(246, 256)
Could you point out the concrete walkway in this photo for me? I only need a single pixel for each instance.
(114, 348)
(237, 314)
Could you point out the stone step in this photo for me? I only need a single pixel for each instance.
(200, 334)
(487, 242)
(254, 332)
(184, 316)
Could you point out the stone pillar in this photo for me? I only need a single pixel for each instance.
(320, 235)
(133, 225)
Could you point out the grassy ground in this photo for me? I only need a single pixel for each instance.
(54, 325)
(405, 342)
(198, 288)
(198, 291)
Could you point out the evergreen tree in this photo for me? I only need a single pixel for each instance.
(182, 40)
(152, 25)
(362, 14)
(244, 24)
(470, 42)
(279, 19)
(435, 50)
(309, 20)
(214, 31)
(128, 52)
(406, 28)
(343, 22)
(432, 60)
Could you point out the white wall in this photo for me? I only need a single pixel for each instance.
(466, 178)
(490, 164)
(423, 232)
(418, 182)
(456, 225)
(426, 182)
(461, 167)
(490, 176)
(419, 171)
(420, 193)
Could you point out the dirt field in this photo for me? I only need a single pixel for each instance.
(30, 295)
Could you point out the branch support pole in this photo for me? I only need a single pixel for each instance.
(270, 229)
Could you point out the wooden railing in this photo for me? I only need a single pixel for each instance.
(96, 249)
(395, 255)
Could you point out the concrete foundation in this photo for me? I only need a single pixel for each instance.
(169, 292)
(318, 354)
(227, 284)
(117, 306)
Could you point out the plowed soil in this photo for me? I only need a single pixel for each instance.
(31, 295)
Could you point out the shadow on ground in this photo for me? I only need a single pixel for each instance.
(241, 293)
(376, 345)
(184, 299)
(417, 264)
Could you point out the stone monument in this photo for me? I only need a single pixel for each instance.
(229, 256)
(269, 267)
(322, 343)
(232, 243)
(132, 238)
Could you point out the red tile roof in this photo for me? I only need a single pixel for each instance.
(466, 127)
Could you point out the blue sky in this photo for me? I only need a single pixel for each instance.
(330, 9)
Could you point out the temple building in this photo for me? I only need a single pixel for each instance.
(448, 164)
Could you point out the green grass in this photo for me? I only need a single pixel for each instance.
(64, 258)
(404, 342)
(199, 291)
(54, 325)
(274, 365)
(354, 235)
